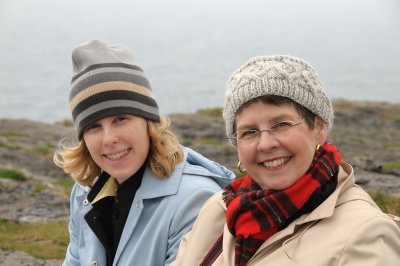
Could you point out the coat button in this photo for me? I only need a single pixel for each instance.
(85, 202)
(94, 263)
(137, 204)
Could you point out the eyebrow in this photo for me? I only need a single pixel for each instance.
(272, 121)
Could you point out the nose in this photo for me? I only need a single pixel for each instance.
(266, 142)
(110, 136)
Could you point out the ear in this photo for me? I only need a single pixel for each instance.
(321, 130)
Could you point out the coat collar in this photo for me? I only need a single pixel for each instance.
(154, 187)
(346, 180)
(107, 190)
(193, 163)
(326, 209)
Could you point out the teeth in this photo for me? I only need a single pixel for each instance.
(276, 163)
(118, 155)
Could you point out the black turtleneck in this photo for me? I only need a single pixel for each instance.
(123, 202)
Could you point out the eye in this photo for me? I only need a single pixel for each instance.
(247, 133)
(282, 125)
(119, 119)
(92, 127)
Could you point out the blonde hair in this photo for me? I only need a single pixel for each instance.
(164, 154)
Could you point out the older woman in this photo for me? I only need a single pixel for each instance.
(298, 203)
(137, 190)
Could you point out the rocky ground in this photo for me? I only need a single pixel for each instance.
(367, 134)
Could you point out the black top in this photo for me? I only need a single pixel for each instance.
(109, 214)
(123, 202)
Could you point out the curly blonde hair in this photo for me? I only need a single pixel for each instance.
(164, 154)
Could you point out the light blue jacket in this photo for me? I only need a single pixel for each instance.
(162, 212)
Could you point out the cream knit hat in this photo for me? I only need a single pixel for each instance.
(280, 75)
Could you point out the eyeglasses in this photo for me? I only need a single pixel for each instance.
(246, 137)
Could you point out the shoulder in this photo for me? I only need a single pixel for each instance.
(194, 182)
(208, 227)
(212, 214)
(357, 203)
(355, 212)
(370, 234)
(215, 204)
(356, 232)
(78, 192)
(194, 190)
(359, 222)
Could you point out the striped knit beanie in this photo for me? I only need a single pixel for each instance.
(106, 81)
(280, 75)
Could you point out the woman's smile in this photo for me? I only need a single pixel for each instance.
(114, 148)
(276, 163)
(280, 157)
(118, 155)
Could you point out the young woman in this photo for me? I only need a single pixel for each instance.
(137, 190)
(298, 203)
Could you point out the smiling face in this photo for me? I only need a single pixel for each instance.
(278, 159)
(118, 144)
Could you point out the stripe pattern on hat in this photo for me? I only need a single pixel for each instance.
(108, 89)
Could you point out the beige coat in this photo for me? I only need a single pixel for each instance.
(346, 229)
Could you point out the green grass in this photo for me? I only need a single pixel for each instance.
(65, 185)
(358, 140)
(391, 145)
(13, 134)
(213, 112)
(240, 174)
(39, 189)
(43, 149)
(65, 123)
(387, 203)
(12, 174)
(210, 141)
(66, 182)
(396, 118)
(391, 166)
(47, 240)
(186, 141)
(10, 146)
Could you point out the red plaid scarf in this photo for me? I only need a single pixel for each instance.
(253, 214)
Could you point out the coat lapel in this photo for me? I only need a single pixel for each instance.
(300, 225)
(151, 187)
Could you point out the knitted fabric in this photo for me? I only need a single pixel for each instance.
(281, 75)
(107, 82)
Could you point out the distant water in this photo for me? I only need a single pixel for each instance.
(188, 49)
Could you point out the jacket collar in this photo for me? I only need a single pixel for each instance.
(107, 190)
(192, 163)
(154, 187)
(346, 180)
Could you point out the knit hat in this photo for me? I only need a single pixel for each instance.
(281, 75)
(106, 81)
